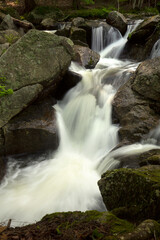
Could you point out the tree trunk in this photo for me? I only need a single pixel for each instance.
(29, 5)
(76, 4)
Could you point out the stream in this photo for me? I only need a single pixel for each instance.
(68, 180)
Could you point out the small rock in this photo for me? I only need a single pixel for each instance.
(85, 56)
(48, 23)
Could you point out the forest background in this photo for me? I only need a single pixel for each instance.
(83, 8)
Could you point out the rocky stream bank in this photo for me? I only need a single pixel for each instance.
(39, 77)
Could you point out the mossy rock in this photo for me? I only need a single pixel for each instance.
(129, 188)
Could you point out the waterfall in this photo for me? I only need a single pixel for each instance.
(97, 39)
(67, 181)
(101, 37)
(155, 50)
(111, 36)
(115, 49)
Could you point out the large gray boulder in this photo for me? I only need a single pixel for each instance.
(145, 29)
(34, 130)
(40, 61)
(134, 190)
(137, 103)
(78, 34)
(117, 20)
(147, 80)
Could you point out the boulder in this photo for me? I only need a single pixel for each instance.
(69, 80)
(33, 130)
(144, 30)
(78, 34)
(144, 231)
(65, 32)
(147, 79)
(134, 113)
(136, 160)
(13, 104)
(40, 61)
(9, 36)
(76, 22)
(48, 23)
(151, 157)
(136, 104)
(8, 24)
(141, 41)
(140, 51)
(85, 56)
(3, 48)
(141, 188)
(117, 20)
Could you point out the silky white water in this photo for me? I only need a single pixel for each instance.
(155, 50)
(68, 180)
(115, 49)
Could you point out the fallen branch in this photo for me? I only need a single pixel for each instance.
(25, 25)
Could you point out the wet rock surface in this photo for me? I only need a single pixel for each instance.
(142, 39)
(117, 20)
(34, 130)
(140, 187)
(134, 105)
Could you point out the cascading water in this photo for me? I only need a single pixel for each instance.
(97, 39)
(68, 180)
(155, 50)
(101, 37)
(115, 49)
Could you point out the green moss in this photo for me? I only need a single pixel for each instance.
(117, 225)
(88, 13)
(129, 36)
(3, 90)
(151, 10)
(97, 235)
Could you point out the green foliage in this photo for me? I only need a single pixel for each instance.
(119, 226)
(97, 235)
(10, 38)
(48, 10)
(88, 2)
(151, 10)
(89, 13)
(3, 90)
(129, 36)
(158, 6)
